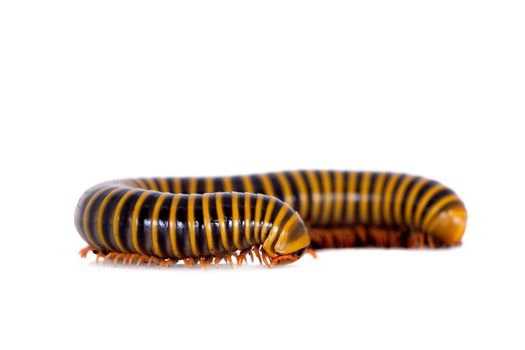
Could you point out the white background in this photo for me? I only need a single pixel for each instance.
(96, 90)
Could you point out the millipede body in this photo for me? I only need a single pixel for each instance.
(275, 216)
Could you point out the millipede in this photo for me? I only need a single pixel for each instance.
(274, 217)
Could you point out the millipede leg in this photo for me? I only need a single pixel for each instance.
(216, 261)
(265, 259)
(108, 256)
(84, 251)
(257, 254)
(99, 255)
(141, 259)
(205, 262)
(228, 258)
(117, 258)
(311, 252)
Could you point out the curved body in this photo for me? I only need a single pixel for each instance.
(185, 217)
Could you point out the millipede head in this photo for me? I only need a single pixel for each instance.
(449, 224)
(290, 243)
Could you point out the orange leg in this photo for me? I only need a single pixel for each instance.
(265, 259)
(108, 256)
(311, 252)
(117, 258)
(228, 258)
(84, 251)
(217, 260)
(257, 254)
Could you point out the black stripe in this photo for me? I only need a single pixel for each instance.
(82, 209)
(124, 223)
(295, 190)
(237, 184)
(182, 233)
(288, 215)
(278, 191)
(371, 191)
(242, 240)
(388, 176)
(257, 184)
(357, 197)
(253, 202)
(310, 193)
(218, 185)
(157, 183)
(144, 223)
(163, 229)
(346, 187)
(201, 185)
(92, 217)
(277, 206)
(227, 211)
(215, 227)
(393, 199)
(332, 217)
(107, 218)
(435, 198)
(426, 187)
(408, 189)
(200, 230)
(171, 188)
(185, 185)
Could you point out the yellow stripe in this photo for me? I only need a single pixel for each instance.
(327, 194)
(424, 201)
(247, 183)
(116, 218)
(338, 196)
(411, 199)
(267, 217)
(173, 226)
(135, 221)
(267, 185)
(400, 194)
(155, 225)
(258, 215)
(209, 185)
(164, 185)
(365, 197)
(207, 222)
(227, 183)
(86, 212)
(152, 185)
(99, 217)
(277, 223)
(177, 185)
(351, 193)
(191, 225)
(247, 218)
(303, 193)
(193, 185)
(290, 222)
(440, 204)
(287, 189)
(222, 221)
(387, 201)
(377, 199)
(315, 195)
(236, 220)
